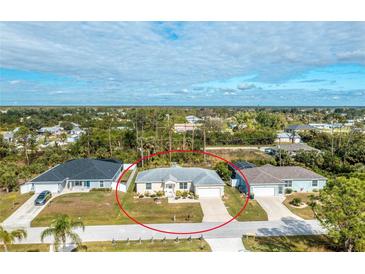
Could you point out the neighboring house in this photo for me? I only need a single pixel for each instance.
(192, 119)
(185, 127)
(286, 137)
(240, 165)
(299, 128)
(77, 131)
(201, 181)
(56, 130)
(271, 180)
(293, 149)
(76, 174)
(8, 136)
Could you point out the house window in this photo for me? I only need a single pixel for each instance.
(280, 190)
(101, 184)
(183, 185)
(288, 183)
(149, 186)
(314, 183)
(77, 183)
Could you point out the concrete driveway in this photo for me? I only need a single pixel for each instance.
(275, 208)
(23, 216)
(226, 244)
(214, 210)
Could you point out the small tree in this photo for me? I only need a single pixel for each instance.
(61, 228)
(223, 171)
(340, 208)
(9, 237)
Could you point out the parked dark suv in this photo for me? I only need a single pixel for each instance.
(43, 197)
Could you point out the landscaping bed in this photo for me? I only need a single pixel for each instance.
(183, 245)
(311, 243)
(234, 202)
(302, 209)
(9, 202)
(100, 208)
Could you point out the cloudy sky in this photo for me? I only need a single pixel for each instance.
(182, 63)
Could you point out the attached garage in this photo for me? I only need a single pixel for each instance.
(209, 191)
(54, 188)
(263, 191)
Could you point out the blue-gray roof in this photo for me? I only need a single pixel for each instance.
(81, 169)
(197, 176)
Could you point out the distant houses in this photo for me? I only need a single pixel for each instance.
(293, 149)
(285, 137)
(179, 128)
(191, 119)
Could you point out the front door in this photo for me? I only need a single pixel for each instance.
(169, 190)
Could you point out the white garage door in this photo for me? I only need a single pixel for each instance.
(263, 191)
(208, 192)
(41, 187)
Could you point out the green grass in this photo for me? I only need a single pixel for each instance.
(183, 245)
(100, 208)
(234, 202)
(312, 243)
(305, 212)
(26, 248)
(9, 202)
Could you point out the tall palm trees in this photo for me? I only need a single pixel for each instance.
(62, 228)
(9, 237)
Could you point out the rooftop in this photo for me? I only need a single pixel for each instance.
(296, 147)
(81, 169)
(269, 174)
(198, 176)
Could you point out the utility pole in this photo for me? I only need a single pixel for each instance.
(204, 144)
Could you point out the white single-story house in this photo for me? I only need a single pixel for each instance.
(186, 127)
(271, 180)
(285, 137)
(78, 174)
(201, 181)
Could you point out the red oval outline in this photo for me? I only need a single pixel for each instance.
(182, 151)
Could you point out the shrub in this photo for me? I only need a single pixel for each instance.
(315, 190)
(296, 202)
(141, 196)
(178, 193)
(288, 190)
(147, 194)
(185, 194)
(160, 193)
(104, 189)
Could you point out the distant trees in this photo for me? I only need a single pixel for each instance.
(223, 171)
(340, 208)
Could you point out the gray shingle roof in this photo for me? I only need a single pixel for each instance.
(300, 127)
(269, 174)
(78, 169)
(198, 176)
(296, 147)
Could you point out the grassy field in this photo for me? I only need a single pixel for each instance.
(312, 243)
(148, 246)
(234, 202)
(100, 208)
(9, 202)
(305, 212)
(26, 248)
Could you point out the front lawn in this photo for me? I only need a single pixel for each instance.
(9, 202)
(100, 208)
(182, 245)
(26, 248)
(303, 212)
(234, 202)
(311, 243)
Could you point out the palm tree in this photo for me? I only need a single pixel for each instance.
(9, 237)
(61, 228)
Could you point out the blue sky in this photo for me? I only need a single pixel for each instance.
(182, 63)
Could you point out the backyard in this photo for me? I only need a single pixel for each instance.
(100, 208)
(234, 202)
(9, 202)
(182, 245)
(312, 243)
(304, 212)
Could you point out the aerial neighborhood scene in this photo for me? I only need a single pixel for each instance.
(160, 137)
